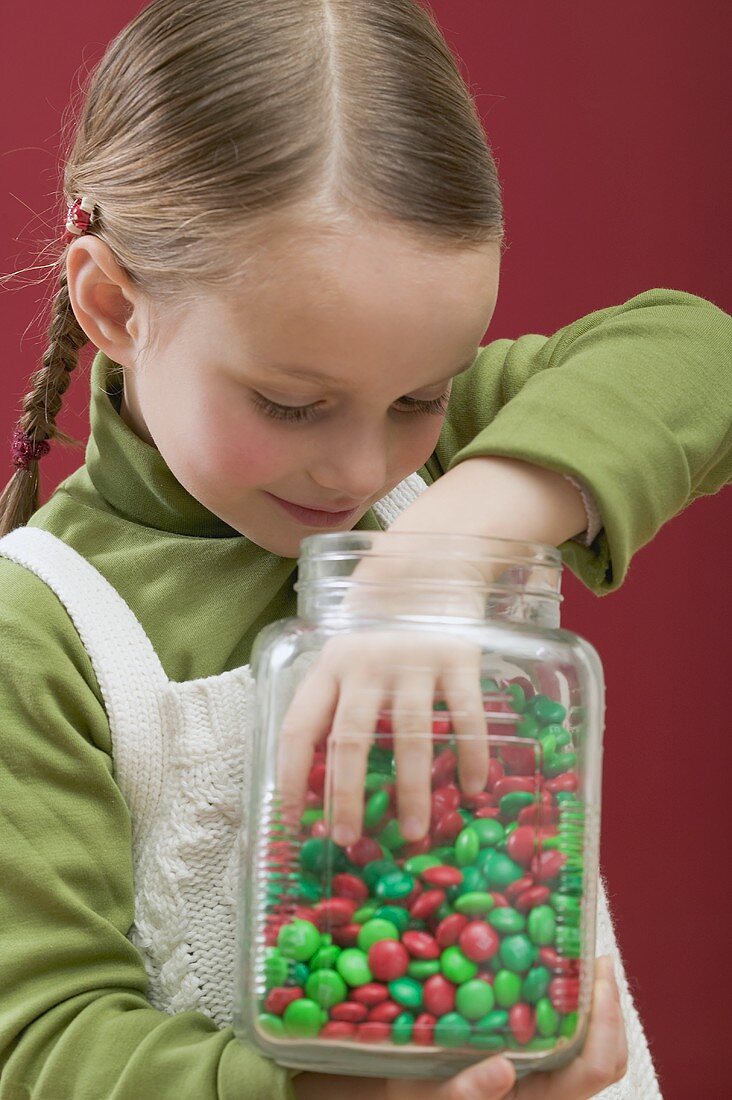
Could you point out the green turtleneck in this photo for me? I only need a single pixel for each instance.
(633, 399)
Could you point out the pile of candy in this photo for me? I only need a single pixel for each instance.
(467, 937)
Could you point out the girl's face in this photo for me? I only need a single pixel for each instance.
(323, 384)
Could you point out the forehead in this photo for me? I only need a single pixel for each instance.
(374, 294)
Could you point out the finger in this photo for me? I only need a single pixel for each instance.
(603, 1058)
(491, 1079)
(460, 684)
(349, 742)
(411, 722)
(307, 718)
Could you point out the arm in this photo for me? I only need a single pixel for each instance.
(75, 1020)
(633, 399)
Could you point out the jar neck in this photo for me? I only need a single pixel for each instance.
(411, 577)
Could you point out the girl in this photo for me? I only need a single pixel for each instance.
(285, 240)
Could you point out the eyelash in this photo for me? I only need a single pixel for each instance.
(306, 413)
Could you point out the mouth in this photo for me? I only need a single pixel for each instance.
(314, 517)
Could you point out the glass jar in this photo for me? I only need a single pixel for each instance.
(396, 958)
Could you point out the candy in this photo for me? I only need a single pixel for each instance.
(469, 936)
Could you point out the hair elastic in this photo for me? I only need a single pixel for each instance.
(78, 218)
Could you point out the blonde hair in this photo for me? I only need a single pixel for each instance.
(212, 123)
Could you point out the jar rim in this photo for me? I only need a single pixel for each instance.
(543, 553)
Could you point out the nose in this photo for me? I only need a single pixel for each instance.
(352, 463)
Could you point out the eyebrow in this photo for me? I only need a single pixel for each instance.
(303, 372)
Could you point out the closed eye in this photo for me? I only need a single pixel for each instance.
(306, 413)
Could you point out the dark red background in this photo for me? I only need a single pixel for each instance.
(611, 127)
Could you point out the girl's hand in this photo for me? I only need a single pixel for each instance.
(355, 675)
(602, 1061)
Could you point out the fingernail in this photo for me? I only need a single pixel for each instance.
(343, 834)
(412, 829)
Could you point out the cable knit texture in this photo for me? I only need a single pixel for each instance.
(182, 759)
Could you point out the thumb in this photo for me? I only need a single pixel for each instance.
(491, 1079)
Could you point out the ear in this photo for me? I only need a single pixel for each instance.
(107, 306)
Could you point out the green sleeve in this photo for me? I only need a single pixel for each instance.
(634, 399)
(74, 1019)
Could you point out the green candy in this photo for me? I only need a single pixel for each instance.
(375, 930)
(490, 831)
(506, 920)
(326, 987)
(300, 973)
(518, 697)
(391, 836)
(562, 735)
(394, 884)
(547, 711)
(302, 1018)
(496, 1020)
(374, 870)
(275, 968)
(374, 781)
(474, 998)
(421, 969)
(512, 804)
(401, 1029)
(271, 1024)
(467, 846)
(406, 991)
(527, 727)
(568, 942)
(536, 984)
(318, 853)
(568, 1025)
(445, 854)
(474, 904)
(465, 814)
(540, 1043)
(485, 1041)
(542, 925)
(375, 809)
(298, 940)
(500, 869)
(325, 957)
(547, 1017)
(559, 763)
(366, 912)
(518, 952)
(451, 1030)
(473, 879)
(507, 988)
(352, 964)
(415, 865)
(394, 914)
(548, 744)
(311, 891)
(456, 966)
(310, 816)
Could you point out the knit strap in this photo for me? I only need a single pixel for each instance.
(130, 676)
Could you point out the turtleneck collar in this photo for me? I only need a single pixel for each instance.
(132, 476)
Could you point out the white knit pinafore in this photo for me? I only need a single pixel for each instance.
(182, 757)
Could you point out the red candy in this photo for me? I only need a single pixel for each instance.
(448, 930)
(363, 851)
(479, 941)
(522, 844)
(337, 1029)
(372, 993)
(445, 799)
(564, 993)
(568, 781)
(373, 1031)
(513, 783)
(551, 959)
(519, 759)
(448, 826)
(513, 889)
(522, 1022)
(280, 997)
(345, 935)
(438, 995)
(351, 1011)
(334, 912)
(443, 876)
(417, 847)
(421, 945)
(388, 959)
(427, 904)
(424, 1029)
(546, 865)
(535, 895)
(348, 886)
(443, 768)
(538, 813)
(441, 726)
(499, 899)
(386, 1012)
(316, 778)
(488, 811)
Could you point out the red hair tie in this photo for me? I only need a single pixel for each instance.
(78, 218)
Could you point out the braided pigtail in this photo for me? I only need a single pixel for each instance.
(41, 405)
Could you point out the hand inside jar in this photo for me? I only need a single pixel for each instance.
(359, 673)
